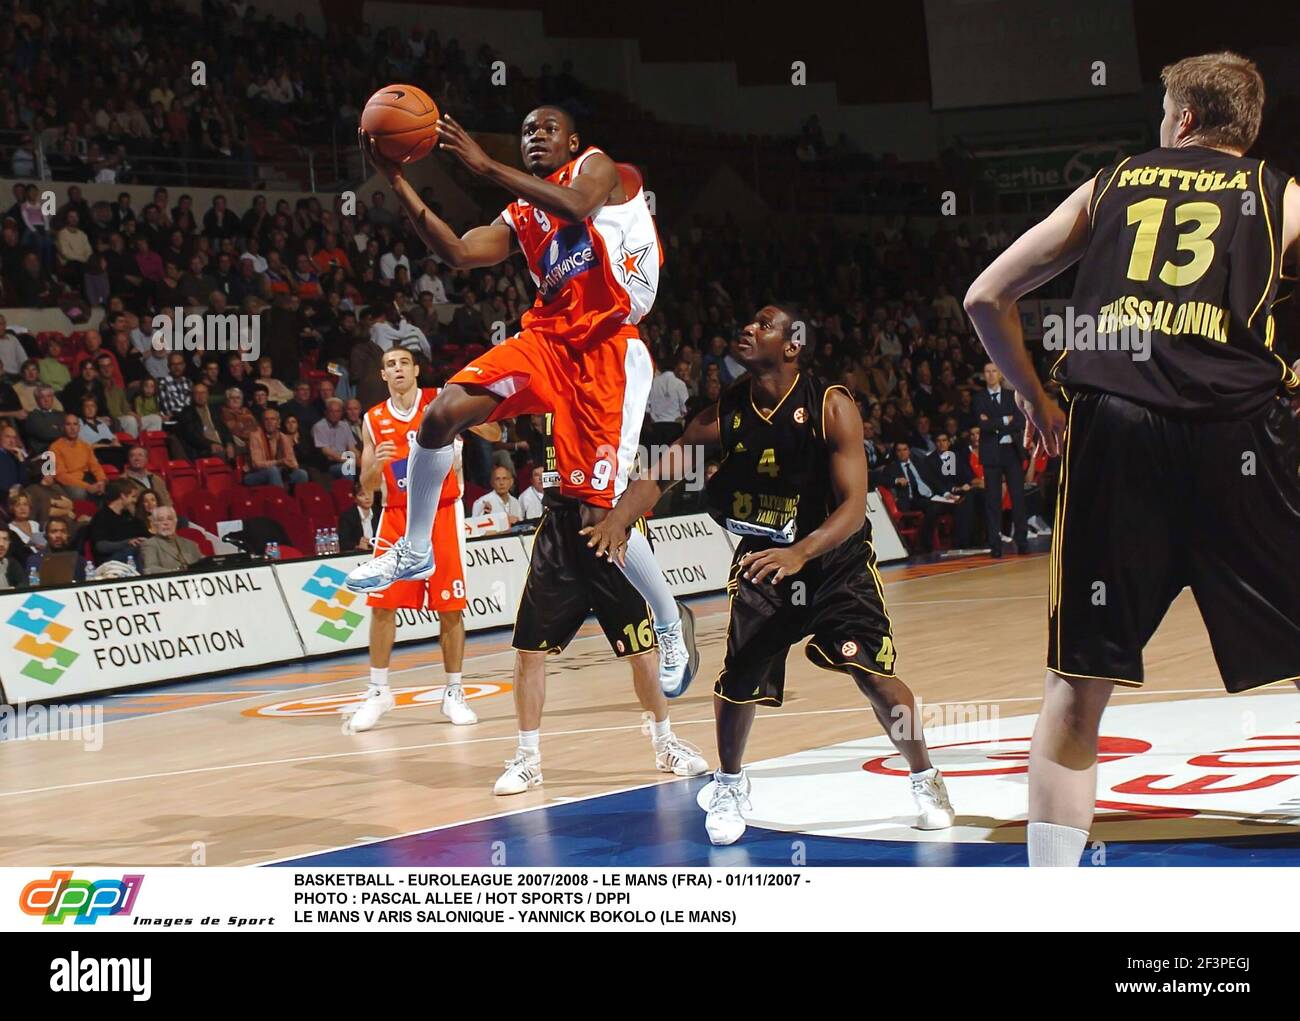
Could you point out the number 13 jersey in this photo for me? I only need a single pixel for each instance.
(1179, 280)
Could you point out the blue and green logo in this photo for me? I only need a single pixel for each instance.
(42, 638)
(333, 603)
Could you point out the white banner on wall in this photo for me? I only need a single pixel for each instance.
(884, 540)
(74, 640)
(79, 639)
(330, 618)
(693, 552)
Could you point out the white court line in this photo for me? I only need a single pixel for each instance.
(326, 756)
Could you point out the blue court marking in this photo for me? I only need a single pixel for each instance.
(663, 826)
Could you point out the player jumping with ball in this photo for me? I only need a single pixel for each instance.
(583, 225)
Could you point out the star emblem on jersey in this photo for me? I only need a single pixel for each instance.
(849, 648)
(629, 264)
(801, 415)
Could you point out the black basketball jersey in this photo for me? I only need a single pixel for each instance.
(774, 478)
(1179, 280)
(551, 495)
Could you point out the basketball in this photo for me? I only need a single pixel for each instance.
(403, 121)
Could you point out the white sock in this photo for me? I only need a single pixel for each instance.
(453, 680)
(643, 572)
(531, 741)
(925, 774)
(1053, 846)
(379, 678)
(661, 728)
(426, 471)
(729, 779)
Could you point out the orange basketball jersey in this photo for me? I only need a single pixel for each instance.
(385, 422)
(595, 277)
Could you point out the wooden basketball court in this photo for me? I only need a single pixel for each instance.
(255, 768)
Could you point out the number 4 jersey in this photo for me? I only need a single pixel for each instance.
(1173, 305)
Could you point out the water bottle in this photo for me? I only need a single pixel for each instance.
(320, 542)
(34, 572)
(334, 540)
(273, 550)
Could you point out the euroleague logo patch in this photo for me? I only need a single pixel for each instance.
(849, 649)
(800, 415)
(1194, 770)
(577, 477)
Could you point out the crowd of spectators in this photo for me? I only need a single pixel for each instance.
(881, 315)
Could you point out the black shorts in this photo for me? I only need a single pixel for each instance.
(837, 598)
(1149, 504)
(566, 582)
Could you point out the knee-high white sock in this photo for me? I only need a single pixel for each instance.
(1053, 846)
(643, 572)
(426, 471)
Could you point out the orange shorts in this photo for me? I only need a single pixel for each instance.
(445, 589)
(598, 396)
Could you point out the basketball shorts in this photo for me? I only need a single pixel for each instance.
(838, 599)
(598, 396)
(567, 581)
(1150, 504)
(444, 590)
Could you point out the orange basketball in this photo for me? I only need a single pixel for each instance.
(403, 121)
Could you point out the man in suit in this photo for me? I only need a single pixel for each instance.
(916, 484)
(199, 431)
(1001, 428)
(359, 524)
(954, 471)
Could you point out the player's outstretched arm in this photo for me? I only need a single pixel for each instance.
(1038, 255)
(608, 537)
(848, 467)
(573, 202)
(477, 247)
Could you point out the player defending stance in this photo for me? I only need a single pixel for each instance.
(1179, 464)
(387, 438)
(584, 227)
(567, 581)
(793, 483)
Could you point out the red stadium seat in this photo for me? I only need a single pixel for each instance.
(291, 553)
(316, 503)
(182, 479)
(110, 472)
(341, 490)
(216, 474)
(158, 460)
(126, 439)
(300, 530)
(472, 493)
(908, 523)
(245, 503)
(207, 509)
(152, 438)
(198, 538)
(84, 508)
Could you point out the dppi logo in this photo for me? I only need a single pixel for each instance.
(61, 897)
(333, 602)
(42, 637)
